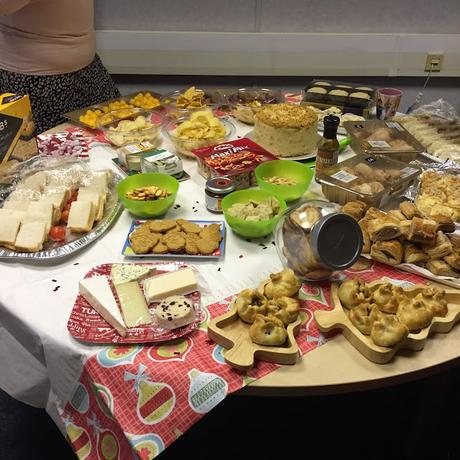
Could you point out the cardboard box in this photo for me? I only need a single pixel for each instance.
(238, 159)
(17, 128)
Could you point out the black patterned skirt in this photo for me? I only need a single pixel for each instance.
(53, 95)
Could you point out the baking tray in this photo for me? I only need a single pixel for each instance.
(55, 250)
(74, 116)
(127, 251)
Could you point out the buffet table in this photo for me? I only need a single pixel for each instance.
(44, 362)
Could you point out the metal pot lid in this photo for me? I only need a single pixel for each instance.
(336, 241)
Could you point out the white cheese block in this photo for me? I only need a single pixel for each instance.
(133, 305)
(122, 273)
(31, 236)
(172, 283)
(95, 197)
(98, 294)
(8, 230)
(175, 311)
(58, 199)
(21, 205)
(34, 182)
(81, 216)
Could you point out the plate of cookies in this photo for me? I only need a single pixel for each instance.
(179, 238)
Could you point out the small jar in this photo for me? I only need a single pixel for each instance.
(316, 240)
(216, 189)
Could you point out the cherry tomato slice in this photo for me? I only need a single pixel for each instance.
(57, 233)
(65, 215)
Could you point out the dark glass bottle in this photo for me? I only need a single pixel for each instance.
(328, 147)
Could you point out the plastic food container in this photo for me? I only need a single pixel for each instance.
(237, 159)
(356, 98)
(140, 126)
(307, 240)
(246, 102)
(385, 138)
(185, 147)
(369, 178)
(212, 99)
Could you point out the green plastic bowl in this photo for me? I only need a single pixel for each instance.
(152, 208)
(250, 229)
(299, 172)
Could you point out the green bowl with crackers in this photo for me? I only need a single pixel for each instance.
(148, 194)
(253, 213)
(285, 178)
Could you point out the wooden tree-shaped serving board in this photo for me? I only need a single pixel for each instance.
(338, 317)
(233, 334)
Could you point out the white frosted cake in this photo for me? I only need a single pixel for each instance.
(286, 130)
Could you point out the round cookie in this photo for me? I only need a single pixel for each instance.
(207, 246)
(191, 248)
(141, 244)
(161, 226)
(189, 227)
(160, 248)
(174, 242)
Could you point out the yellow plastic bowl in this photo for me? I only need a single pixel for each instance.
(153, 208)
(251, 229)
(289, 169)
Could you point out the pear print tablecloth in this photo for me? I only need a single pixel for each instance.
(133, 401)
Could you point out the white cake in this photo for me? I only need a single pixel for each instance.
(286, 130)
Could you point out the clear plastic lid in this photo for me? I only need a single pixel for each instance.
(381, 137)
(368, 175)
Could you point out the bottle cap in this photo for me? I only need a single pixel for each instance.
(331, 120)
(220, 185)
(336, 241)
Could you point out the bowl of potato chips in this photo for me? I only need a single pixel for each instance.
(141, 125)
(199, 129)
(181, 103)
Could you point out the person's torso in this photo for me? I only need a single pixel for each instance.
(48, 37)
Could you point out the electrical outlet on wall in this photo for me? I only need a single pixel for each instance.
(434, 62)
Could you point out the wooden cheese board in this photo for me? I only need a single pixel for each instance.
(233, 334)
(338, 318)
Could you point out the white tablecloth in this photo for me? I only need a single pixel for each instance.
(41, 362)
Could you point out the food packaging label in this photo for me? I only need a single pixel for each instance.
(161, 161)
(237, 159)
(17, 128)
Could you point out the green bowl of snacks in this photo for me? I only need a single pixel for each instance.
(285, 178)
(253, 213)
(148, 194)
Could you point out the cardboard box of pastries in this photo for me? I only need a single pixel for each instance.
(354, 98)
(17, 128)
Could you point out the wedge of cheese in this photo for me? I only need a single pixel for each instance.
(133, 305)
(123, 273)
(172, 283)
(97, 292)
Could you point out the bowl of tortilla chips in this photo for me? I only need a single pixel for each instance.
(179, 104)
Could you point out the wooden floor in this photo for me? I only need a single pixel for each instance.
(413, 421)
